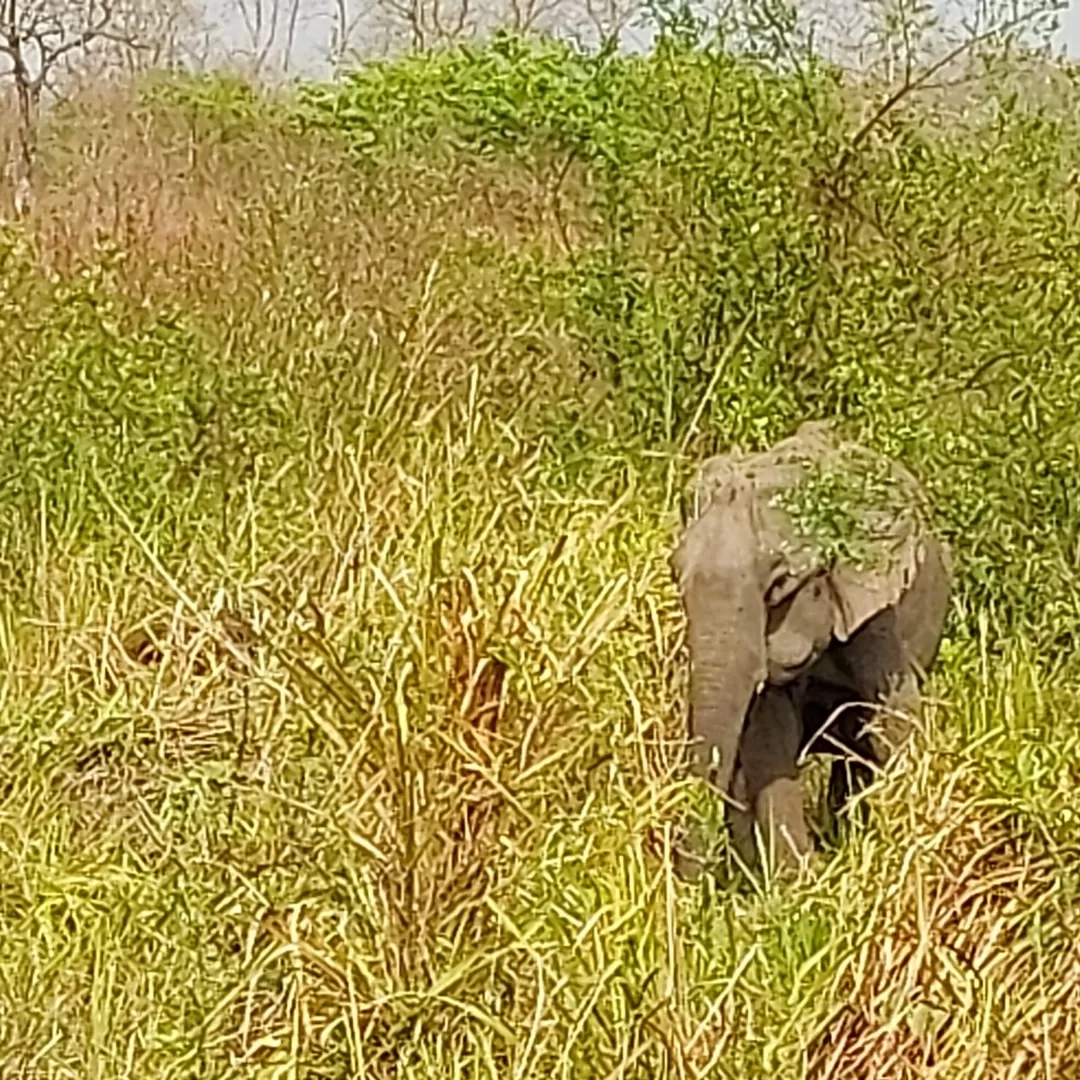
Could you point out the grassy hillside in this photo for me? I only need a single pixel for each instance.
(342, 439)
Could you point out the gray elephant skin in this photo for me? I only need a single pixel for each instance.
(815, 593)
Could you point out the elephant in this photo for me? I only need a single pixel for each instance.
(815, 592)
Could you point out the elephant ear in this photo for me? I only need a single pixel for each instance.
(861, 593)
(891, 564)
(842, 514)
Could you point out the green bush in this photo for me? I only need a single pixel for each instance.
(106, 404)
(918, 292)
(341, 660)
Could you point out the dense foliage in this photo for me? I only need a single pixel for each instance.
(342, 442)
(737, 258)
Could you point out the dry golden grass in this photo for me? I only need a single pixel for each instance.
(958, 975)
(184, 205)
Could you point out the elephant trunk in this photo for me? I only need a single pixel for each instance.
(722, 596)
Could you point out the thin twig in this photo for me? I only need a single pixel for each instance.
(721, 366)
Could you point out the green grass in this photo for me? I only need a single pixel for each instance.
(342, 682)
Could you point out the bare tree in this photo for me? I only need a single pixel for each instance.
(42, 42)
(426, 23)
(526, 16)
(609, 19)
(346, 22)
(271, 28)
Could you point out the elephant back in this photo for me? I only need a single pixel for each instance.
(822, 506)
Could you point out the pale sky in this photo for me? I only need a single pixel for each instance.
(313, 30)
(1070, 29)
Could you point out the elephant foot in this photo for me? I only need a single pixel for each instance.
(741, 821)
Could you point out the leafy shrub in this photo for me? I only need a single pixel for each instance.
(743, 270)
(101, 400)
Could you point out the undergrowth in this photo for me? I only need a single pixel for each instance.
(342, 443)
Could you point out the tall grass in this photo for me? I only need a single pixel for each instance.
(342, 686)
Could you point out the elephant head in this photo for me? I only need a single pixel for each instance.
(765, 598)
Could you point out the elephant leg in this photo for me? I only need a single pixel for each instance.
(768, 763)
(847, 777)
(740, 813)
(781, 818)
(875, 666)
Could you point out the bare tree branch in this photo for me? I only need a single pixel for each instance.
(47, 41)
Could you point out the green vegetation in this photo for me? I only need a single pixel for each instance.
(851, 508)
(341, 449)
